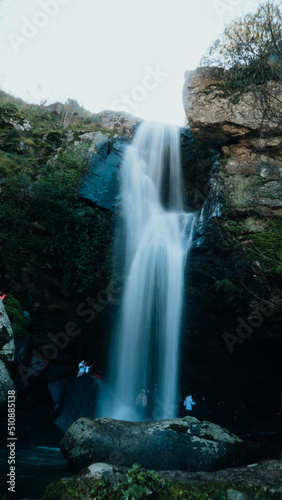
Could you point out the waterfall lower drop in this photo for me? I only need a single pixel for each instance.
(158, 235)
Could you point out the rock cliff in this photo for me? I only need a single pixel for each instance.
(236, 265)
(220, 116)
(58, 182)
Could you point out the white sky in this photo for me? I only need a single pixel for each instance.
(106, 54)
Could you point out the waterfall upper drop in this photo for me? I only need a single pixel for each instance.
(157, 238)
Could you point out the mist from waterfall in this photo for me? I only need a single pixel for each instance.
(157, 237)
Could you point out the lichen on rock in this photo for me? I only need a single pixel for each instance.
(154, 444)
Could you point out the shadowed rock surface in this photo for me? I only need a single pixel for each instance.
(235, 265)
(176, 444)
(100, 185)
(80, 400)
(7, 349)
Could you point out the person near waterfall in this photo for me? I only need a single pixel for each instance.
(188, 404)
(81, 368)
(141, 402)
(87, 367)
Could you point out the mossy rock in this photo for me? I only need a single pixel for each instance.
(18, 321)
(140, 484)
(266, 247)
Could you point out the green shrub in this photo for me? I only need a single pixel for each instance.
(267, 246)
(250, 49)
(142, 484)
(77, 236)
(18, 321)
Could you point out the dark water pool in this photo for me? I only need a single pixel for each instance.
(36, 467)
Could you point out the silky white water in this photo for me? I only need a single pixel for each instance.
(158, 235)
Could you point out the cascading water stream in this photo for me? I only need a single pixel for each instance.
(158, 235)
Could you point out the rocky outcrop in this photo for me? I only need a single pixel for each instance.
(252, 179)
(217, 116)
(184, 444)
(120, 122)
(11, 120)
(6, 383)
(250, 163)
(7, 350)
(7, 346)
(101, 184)
(235, 264)
(242, 483)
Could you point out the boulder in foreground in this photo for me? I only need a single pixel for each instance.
(176, 444)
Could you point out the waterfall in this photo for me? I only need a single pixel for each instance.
(157, 238)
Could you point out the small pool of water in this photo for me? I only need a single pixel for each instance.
(36, 468)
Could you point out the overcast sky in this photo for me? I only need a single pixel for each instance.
(109, 54)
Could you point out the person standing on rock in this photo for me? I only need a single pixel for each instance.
(141, 402)
(87, 367)
(81, 368)
(188, 404)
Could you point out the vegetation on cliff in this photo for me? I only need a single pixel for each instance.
(250, 49)
(53, 245)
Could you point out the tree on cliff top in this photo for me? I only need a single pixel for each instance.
(250, 48)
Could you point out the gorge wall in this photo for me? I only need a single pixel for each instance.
(56, 241)
(234, 282)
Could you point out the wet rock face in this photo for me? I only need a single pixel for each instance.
(101, 184)
(78, 398)
(176, 444)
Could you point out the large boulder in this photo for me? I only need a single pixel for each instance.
(6, 383)
(7, 343)
(176, 444)
(7, 351)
